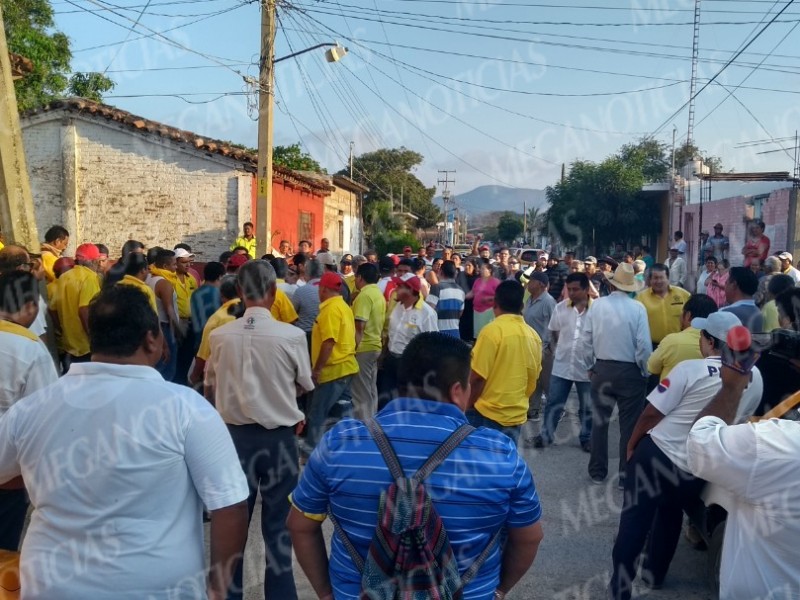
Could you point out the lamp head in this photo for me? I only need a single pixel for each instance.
(335, 54)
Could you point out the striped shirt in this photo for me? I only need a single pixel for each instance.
(447, 298)
(482, 486)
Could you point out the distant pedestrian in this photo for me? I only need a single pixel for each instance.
(757, 245)
(482, 296)
(739, 290)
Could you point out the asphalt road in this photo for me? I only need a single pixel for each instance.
(580, 521)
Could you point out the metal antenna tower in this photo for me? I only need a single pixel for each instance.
(693, 83)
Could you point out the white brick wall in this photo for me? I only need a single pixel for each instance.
(43, 155)
(138, 186)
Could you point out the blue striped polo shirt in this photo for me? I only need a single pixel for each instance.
(447, 298)
(482, 486)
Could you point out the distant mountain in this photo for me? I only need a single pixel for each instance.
(490, 198)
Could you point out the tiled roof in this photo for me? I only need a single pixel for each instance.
(20, 65)
(201, 143)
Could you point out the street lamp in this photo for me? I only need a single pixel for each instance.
(265, 120)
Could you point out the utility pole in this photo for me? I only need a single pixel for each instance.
(446, 201)
(352, 145)
(524, 219)
(265, 128)
(17, 217)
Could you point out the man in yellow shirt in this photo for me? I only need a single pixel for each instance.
(333, 356)
(506, 362)
(684, 345)
(185, 285)
(369, 310)
(136, 271)
(74, 292)
(224, 314)
(246, 241)
(56, 240)
(664, 304)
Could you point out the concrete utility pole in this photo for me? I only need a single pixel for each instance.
(448, 234)
(265, 129)
(17, 217)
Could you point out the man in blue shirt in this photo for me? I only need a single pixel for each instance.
(205, 300)
(483, 486)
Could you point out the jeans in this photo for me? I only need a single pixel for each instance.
(476, 419)
(168, 368)
(185, 354)
(557, 396)
(269, 460)
(326, 395)
(543, 383)
(656, 492)
(13, 508)
(613, 383)
(365, 385)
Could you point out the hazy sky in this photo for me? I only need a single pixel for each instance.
(501, 92)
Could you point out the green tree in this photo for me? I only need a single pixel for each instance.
(509, 227)
(649, 156)
(30, 32)
(90, 85)
(599, 204)
(388, 173)
(688, 152)
(537, 221)
(293, 157)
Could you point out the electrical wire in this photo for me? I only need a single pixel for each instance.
(127, 36)
(720, 71)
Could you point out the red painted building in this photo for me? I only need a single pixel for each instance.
(297, 207)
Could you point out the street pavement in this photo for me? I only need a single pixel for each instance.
(580, 521)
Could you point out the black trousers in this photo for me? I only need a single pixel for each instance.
(614, 383)
(387, 379)
(270, 462)
(13, 508)
(656, 493)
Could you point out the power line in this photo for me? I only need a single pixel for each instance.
(718, 73)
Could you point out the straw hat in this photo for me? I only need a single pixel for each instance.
(624, 279)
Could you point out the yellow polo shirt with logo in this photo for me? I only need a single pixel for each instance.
(673, 349)
(218, 319)
(140, 285)
(75, 289)
(663, 314)
(184, 290)
(370, 307)
(335, 322)
(508, 355)
(283, 309)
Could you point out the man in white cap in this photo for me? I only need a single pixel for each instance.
(657, 453)
(615, 346)
(787, 268)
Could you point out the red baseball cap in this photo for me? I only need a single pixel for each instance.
(87, 252)
(409, 280)
(407, 249)
(483, 247)
(237, 260)
(330, 280)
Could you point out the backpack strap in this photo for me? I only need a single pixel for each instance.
(470, 573)
(388, 453)
(348, 545)
(443, 451)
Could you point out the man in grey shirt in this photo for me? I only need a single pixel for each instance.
(537, 312)
(306, 298)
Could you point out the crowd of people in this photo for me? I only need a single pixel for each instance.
(140, 393)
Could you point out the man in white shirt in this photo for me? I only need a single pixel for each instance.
(787, 268)
(257, 368)
(410, 317)
(119, 465)
(566, 326)
(615, 346)
(659, 485)
(25, 367)
(677, 268)
(680, 243)
(759, 465)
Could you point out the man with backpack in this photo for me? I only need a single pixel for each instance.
(420, 500)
